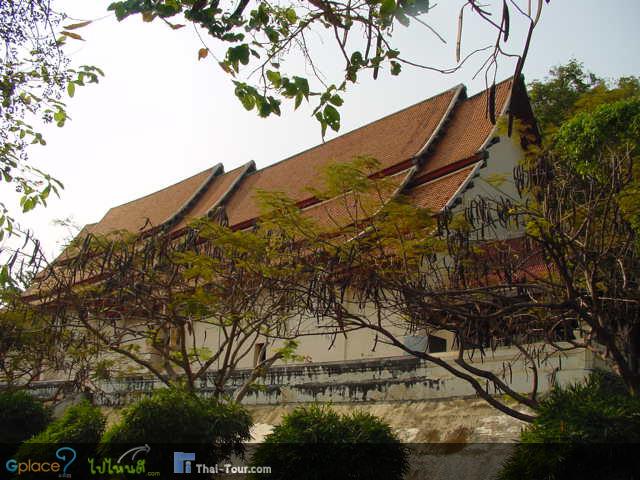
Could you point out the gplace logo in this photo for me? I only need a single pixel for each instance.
(66, 454)
(182, 462)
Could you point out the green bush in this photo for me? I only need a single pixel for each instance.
(586, 430)
(316, 443)
(21, 416)
(81, 426)
(81, 423)
(212, 430)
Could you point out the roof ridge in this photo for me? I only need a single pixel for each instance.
(459, 94)
(508, 79)
(161, 190)
(356, 129)
(216, 171)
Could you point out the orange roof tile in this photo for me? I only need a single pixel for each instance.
(434, 195)
(212, 196)
(151, 210)
(467, 131)
(460, 127)
(390, 140)
(350, 208)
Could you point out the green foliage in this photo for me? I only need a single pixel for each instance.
(586, 120)
(81, 423)
(570, 89)
(259, 36)
(315, 443)
(34, 77)
(609, 127)
(624, 88)
(216, 430)
(21, 416)
(582, 431)
(553, 100)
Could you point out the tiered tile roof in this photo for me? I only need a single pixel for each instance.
(428, 150)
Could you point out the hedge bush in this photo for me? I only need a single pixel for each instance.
(21, 416)
(80, 423)
(317, 443)
(587, 430)
(81, 427)
(212, 430)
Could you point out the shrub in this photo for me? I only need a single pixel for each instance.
(81, 427)
(316, 443)
(212, 430)
(586, 430)
(21, 416)
(81, 423)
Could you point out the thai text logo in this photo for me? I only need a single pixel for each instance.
(110, 466)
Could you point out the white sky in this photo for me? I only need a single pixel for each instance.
(160, 116)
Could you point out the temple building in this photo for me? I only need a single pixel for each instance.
(439, 153)
(436, 152)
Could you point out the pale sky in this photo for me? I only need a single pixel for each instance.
(160, 115)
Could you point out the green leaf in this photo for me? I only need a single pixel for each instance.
(291, 15)
(275, 78)
(248, 101)
(323, 123)
(59, 116)
(303, 85)
(387, 7)
(402, 18)
(395, 68)
(393, 53)
(239, 54)
(275, 105)
(272, 34)
(71, 88)
(332, 117)
(336, 100)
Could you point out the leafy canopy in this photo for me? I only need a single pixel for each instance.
(35, 78)
(256, 38)
(312, 441)
(215, 430)
(570, 89)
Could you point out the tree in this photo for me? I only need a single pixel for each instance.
(259, 37)
(551, 270)
(32, 343)
(569, 90)
(599, 153)
(34, 76)
(417, 273)
(149, 303)
(554, 99)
